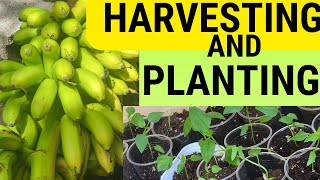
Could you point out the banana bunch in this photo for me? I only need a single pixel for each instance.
(62, 103)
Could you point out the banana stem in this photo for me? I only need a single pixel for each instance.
(250, 123)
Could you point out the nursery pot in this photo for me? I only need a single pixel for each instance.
(274, 163)
(263, 131)
(316, 122)
(130, 172)
(125, 148)
(308, 113)
(278, 142)
(148, 170)
(296, 165)
(131, 140)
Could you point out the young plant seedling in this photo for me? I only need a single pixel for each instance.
(313, 137)
(215, 115)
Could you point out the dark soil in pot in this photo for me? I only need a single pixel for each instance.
(129, 171)
(226, 171)
(191, 167)
(308, 113)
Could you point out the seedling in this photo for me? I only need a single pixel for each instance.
(289, 121)
(314, 137)
(215, 115)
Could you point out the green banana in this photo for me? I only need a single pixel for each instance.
(51, 53)
(69, 49)
(117, 85)
(79, 10)
(58, 177)
(87, 61)
(71, 100)
(7, 160)
(30, 55)
(27, 77)
(105, 158)
(90, 83)
(13, 108)
(86, 153)
(84, 25)
(37, 41)
(72, 144)
(23, 25)
(18, 170)
(51, 30)
(8, 65)
(9, 139)
(112, 100)
(39, 18)
(5, 81)
(63, 169)
(44, 98)
(110, 60)
(31, 132)
(71, 27)
(129, 54)
(118, 149)
(60, 10)
(114, 117)
(5, 95)
(63, 70)
(25, 12)
(26, 175)
(24, 36)
(99, 127)
(83, 41)
(128, 74)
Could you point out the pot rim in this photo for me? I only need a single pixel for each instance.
(282, 129)
(224, 122)
(150, 163)
(256, 145)
(313, 122)
(253, 118)
(278, 156)
(225, 178)
(132, 139)
(309, 109)
(126, 146)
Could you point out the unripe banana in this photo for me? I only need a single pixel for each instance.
(39, 18)
(23, 25)
(99, 127)
(105, 158)
(7, 160)
(60, 10)
(24, 36)
(112, 100)
(9, 139)
(84, 25)
(63, 70)
(117, 85)
(72, 144)
(30, 55)
(5, 81)
(71, 27)
(83, 41)
(51, 53)
(79, 10)
(13, 108)
(37, 42)
(44, 98)
(129, 54)
(86, 153)
(71, 100)
(58, 177)
(63, 169)
(69, 49)
(128, 74)
(5, 95)
(8, 65)
(31, 132)
(18, 170)
(87, 61)
(93, 162)
(110, 60)
(114, 117)
(118, 149)
(51, 31)
(27, 77)
(25, 12)
(27, 173)
(90, 83)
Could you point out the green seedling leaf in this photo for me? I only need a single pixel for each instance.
(138, 120)
(195, 157)
(207, 148)
(164, 162)
(318, 130)
(234, 152)
(180, 168)
(216, 115)
(228, 154)
(297, 124)
(183, 158)
(254, 152)
(159, 149)
(300, 136)
(271, 111)
(240, 152)
(215, 169)
(312, 158)
(312, 137)
(285, 119)
(154, 117)
(199, 119)
(265, 119)
(232, 109)
(201, 178)
(130, 111)
(244, 129)
(142, 142)
(187, 127)
(293, 116)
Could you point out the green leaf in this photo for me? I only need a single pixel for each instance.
(232, 109)
(300, 136)
(265, 119)
(216, 115)
(199, 119)
(292, 115)
(312, 158)
(240, 152)
(187, 127)
(297, 124)
(130, 111)
(159, 149)
(207, 148)
(138, 120)
(183, 158)
(318, 130)
(164, 162)
(287, 120)
(215, 169)
(141, 142)
(271, 111)
(180, 168)
(155, 117)
(244, 129)
(312, 137)
(195, 157)
(228, 154)
(234, 152)
(254, 152)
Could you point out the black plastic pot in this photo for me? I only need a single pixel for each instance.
(128, 169)
(308, 113)
(148, 170)
(316, 122)
(270, 161)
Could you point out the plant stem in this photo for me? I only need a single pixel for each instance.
(292, 133)
(150, 148)
(250, 123)
(259, 165)
(186, 172)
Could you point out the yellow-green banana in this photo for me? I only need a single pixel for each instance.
(23, 25)
(51, 31)
(72, 144)
(24, 36)
(83, 41)
(118, 149)
(13, 108)
(129, 54)
(110, 60)
(39, 18)
(99, 127)
(86, 152)
(128, 74)
(63, 70)
(112, 100)
(114, 117)
(71, 100)
(8, 66)
(31, 132)
(37, 41)
(90, 83)
(9, 139)
(60, 10)
(63, 169)
(69, 49)
(5, 81)
(7, 160)
(71, 27)
(117, 85)
(30, 55)
(26, 175)
(5, 95)
(79, 10)
(25, 12)
(51, 53)
(84, 25)
(18, 170)
(105, 158)
(27, 77)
